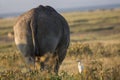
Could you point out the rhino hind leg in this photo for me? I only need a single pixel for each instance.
(61, 51)
(48, 62)
(61, 56)
(52, 62)
(56, 67)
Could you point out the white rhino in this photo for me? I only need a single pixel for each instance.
(44, 34)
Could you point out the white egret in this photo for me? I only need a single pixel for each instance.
(80, 66)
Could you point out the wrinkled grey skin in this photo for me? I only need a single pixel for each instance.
(42, 32)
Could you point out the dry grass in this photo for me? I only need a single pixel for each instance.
(97, 65)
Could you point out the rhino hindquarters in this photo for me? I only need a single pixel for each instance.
(23, 40)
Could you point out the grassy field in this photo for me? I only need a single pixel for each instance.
(95, 40)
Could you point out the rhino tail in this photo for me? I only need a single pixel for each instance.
(33, 26)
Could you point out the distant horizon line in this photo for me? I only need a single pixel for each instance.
(62, 10)
(58, 9)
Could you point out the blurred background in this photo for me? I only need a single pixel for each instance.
(94, 30)
(14, 7)
(88, 19)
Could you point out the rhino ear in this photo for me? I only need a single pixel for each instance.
(50, 8)
(41, 6)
